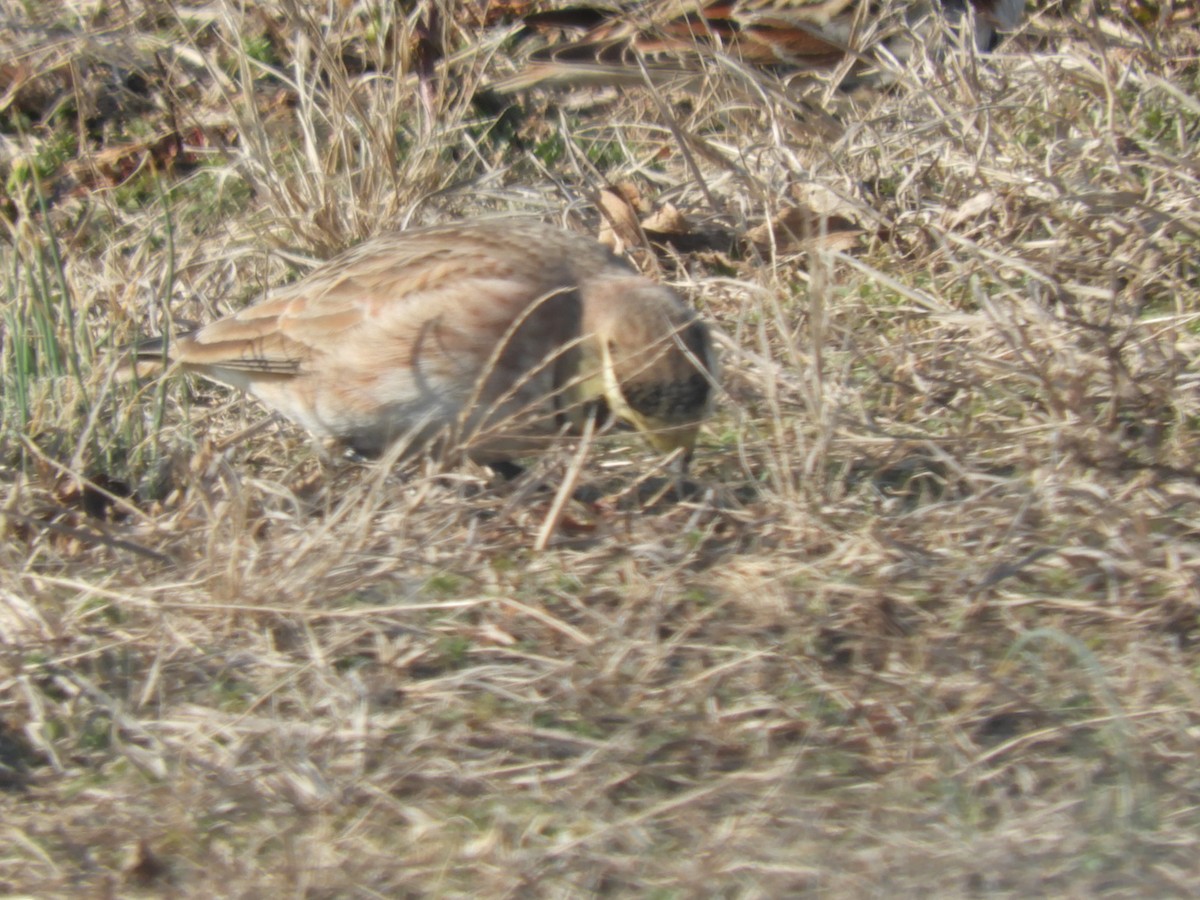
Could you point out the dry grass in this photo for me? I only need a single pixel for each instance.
(928, 625)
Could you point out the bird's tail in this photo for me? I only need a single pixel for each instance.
(144, 359)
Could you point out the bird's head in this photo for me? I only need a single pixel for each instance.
(648, 357)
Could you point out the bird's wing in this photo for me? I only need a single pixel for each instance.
(383, 300)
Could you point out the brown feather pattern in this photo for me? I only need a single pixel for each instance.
(490, 335)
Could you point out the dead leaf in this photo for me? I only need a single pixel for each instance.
(666, 220)
(619, 231)
(800, 228)
(969, 209)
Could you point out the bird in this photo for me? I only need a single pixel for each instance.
(486, 337)
(627, 44)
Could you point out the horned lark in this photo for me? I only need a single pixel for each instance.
(489, 337)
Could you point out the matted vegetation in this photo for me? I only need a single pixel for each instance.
(926, 625)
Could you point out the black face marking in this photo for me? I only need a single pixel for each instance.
(676, 400)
